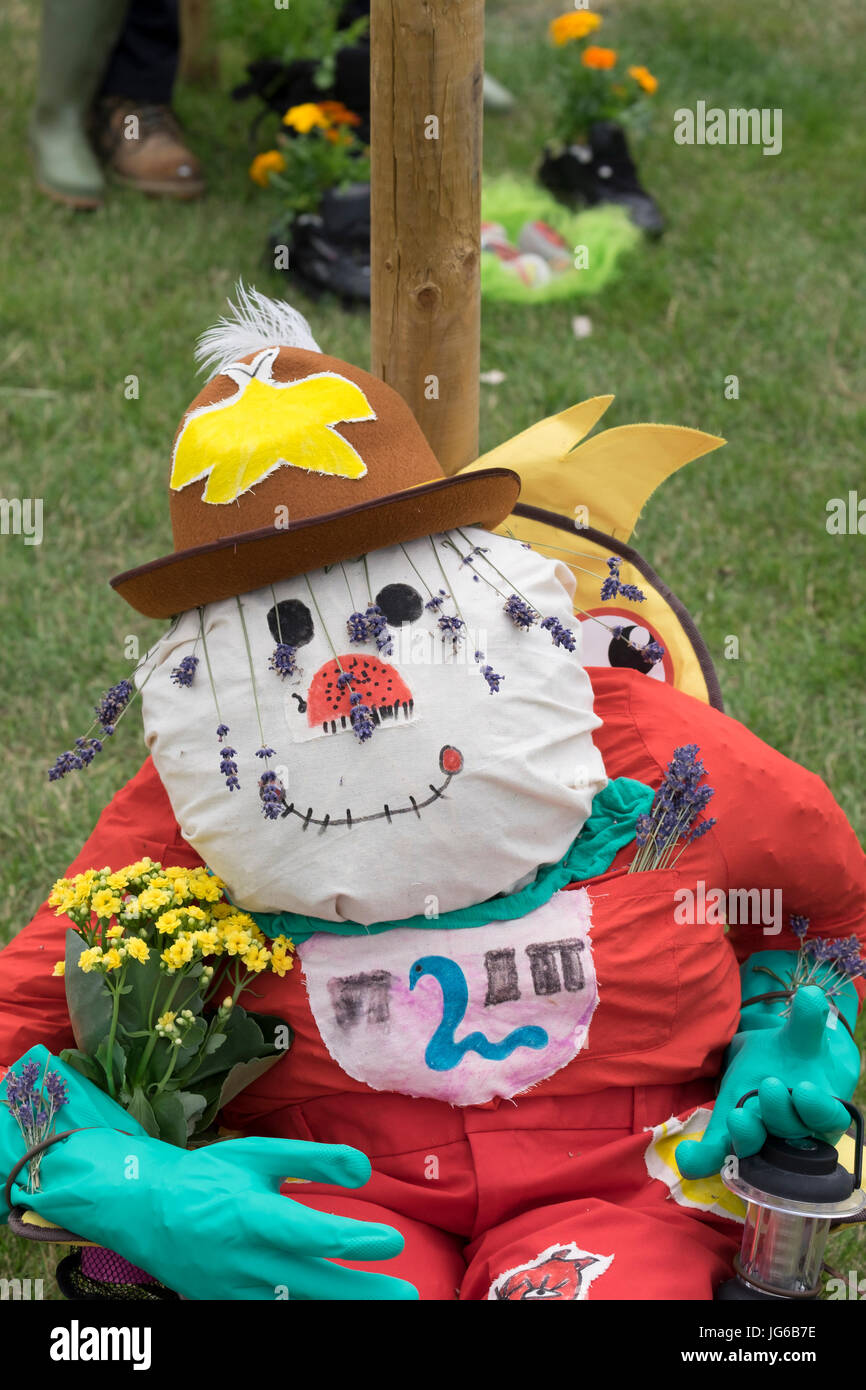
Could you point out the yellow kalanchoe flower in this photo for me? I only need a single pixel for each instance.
(168, 922)
(206, 888)
(114, 932)
(575, 24)
(167, 1019)
(59, 892)
(105, 903)
(89, 959)
(60, 968)
(113, 959)
(179, 953)
(256, 959)
(138, 949)
(281, 956)
(152, 899)
(208, 942)
(237, 942)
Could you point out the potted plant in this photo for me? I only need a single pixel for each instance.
(156, 960)
(597, 94)
(319, 172)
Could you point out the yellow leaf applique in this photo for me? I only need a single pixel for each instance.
(267, 425)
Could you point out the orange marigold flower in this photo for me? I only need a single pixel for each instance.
(271, 162)
(304, 117)
(338, 137)
(338, 114)
(595, 57)
(644, 79)
(574, 25)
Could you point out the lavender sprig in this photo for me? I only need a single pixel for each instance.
(831, 963)
(271, 794)
(673, 816)
(522, 614)
(228, 766)
(612, 586)
(562, 636)
(284, 660)
(360, 717)
(377, 626)
(357, 627)
(33, 1114)
(112, 705)
(184, 674)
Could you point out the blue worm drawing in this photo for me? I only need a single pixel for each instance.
(443, 1052)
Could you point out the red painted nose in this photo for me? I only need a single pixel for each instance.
(378, 684)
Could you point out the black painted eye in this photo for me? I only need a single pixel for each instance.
(400, 603)
(291, 622)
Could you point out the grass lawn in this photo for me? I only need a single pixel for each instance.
(759, 275)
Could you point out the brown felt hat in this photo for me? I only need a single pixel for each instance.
(289, 460)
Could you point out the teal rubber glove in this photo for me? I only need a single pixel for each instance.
(211, 1222)
(798, 1065)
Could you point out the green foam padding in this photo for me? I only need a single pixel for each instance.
(607, 232)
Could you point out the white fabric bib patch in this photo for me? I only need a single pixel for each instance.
(460, 1016)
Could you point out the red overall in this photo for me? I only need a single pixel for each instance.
(547, 1194)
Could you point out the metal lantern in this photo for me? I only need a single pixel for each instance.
(794, 1190)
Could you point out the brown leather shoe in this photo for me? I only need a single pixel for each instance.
(143, 146)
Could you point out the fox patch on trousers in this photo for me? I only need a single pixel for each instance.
(461, 1015)
(560, 1271)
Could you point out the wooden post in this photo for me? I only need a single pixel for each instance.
(426, 79)
(199, 64)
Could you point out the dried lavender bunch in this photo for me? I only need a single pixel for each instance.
(672, 821)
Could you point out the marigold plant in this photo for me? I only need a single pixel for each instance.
(590, 85)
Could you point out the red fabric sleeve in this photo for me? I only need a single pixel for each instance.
(778, 825)
(138, 821)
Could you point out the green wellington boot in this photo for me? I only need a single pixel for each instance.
(77, 39)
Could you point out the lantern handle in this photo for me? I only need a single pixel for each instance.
(856, 1116)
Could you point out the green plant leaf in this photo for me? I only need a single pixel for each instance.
(170, 1118)
(193, 1039)
(113, 1063)
(194, 1106)
(85, 1065)
(88, 998)
(140, 1109)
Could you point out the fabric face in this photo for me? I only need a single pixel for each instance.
(459, 794)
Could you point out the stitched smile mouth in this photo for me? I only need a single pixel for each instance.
(450, 762)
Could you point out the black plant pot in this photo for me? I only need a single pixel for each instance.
(602, 171)
(329, 251)
(281, 85)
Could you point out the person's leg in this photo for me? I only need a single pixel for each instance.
(77, 38)
(144, 62)
(136, 129)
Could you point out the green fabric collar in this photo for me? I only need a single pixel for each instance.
(611, 825)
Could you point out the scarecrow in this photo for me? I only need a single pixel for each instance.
(518, 1045)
